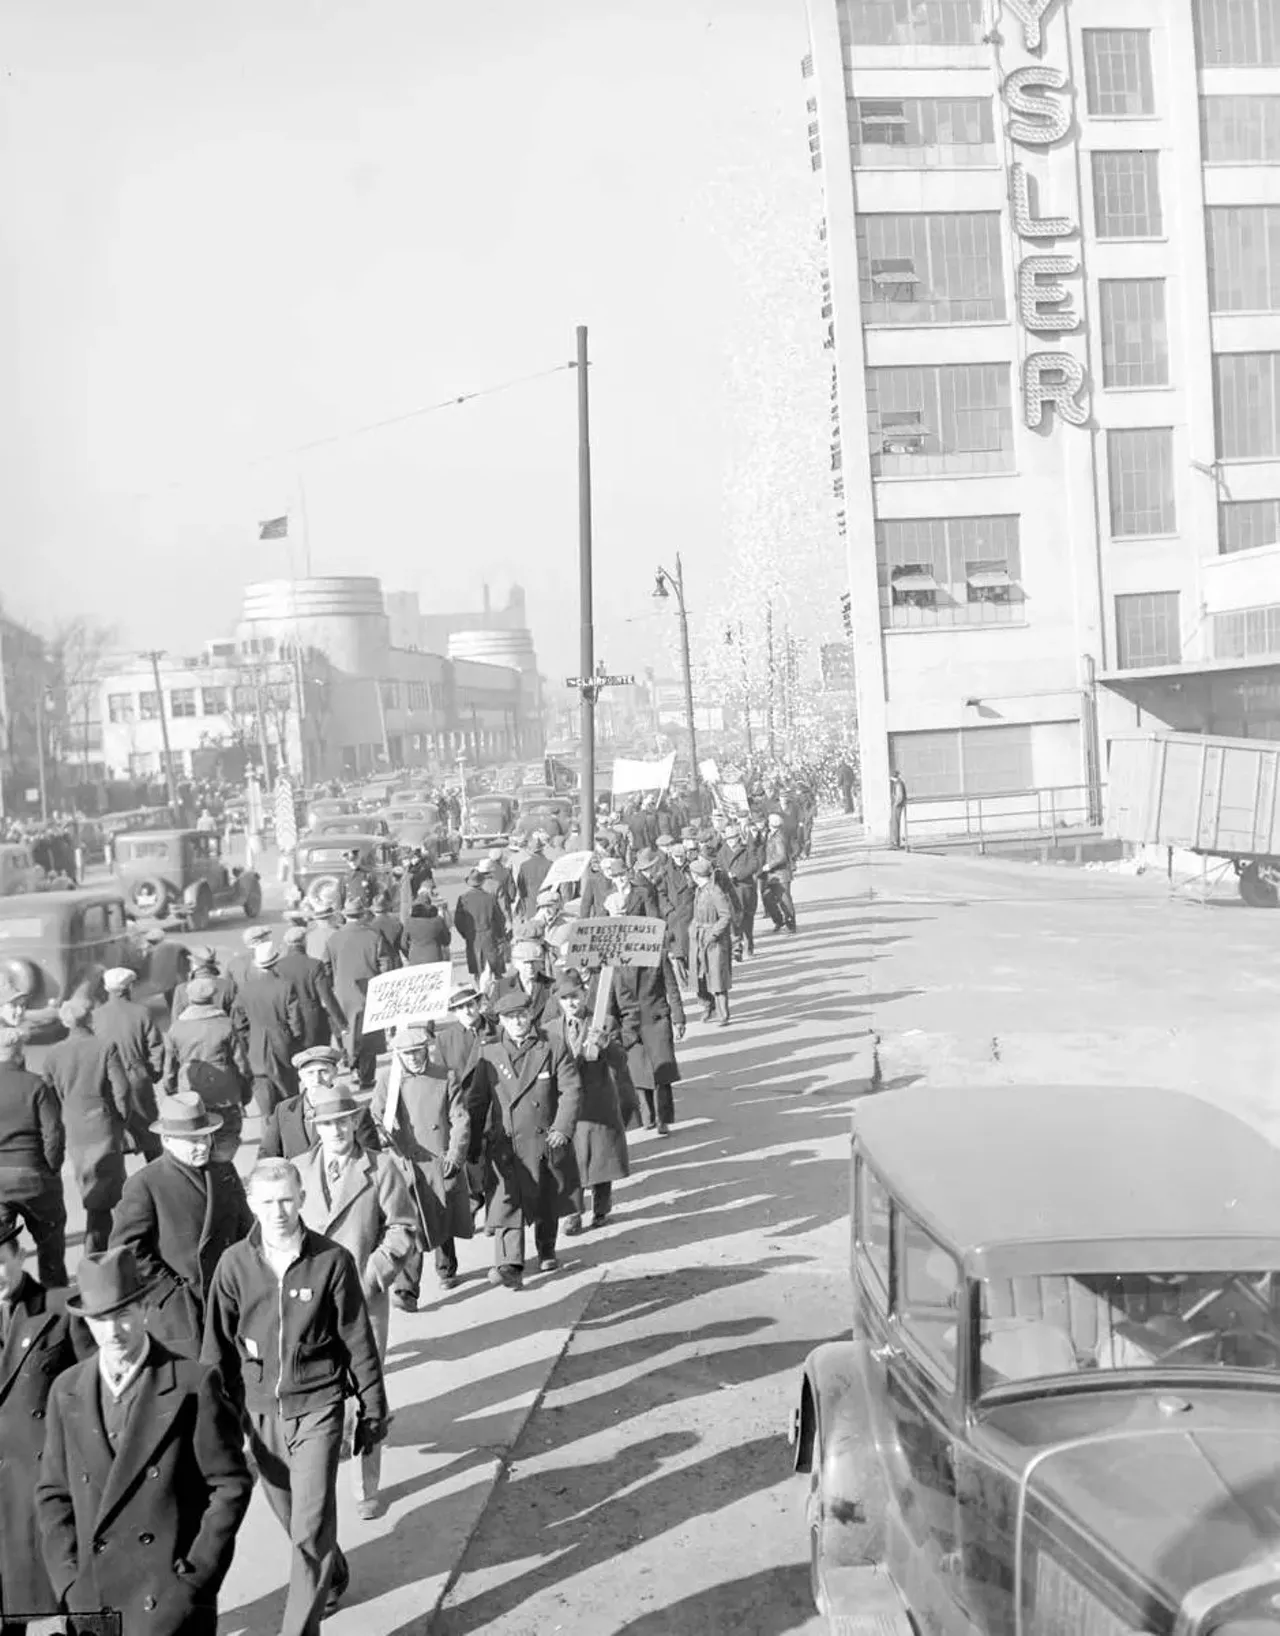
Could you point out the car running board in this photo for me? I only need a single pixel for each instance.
(864, 1601)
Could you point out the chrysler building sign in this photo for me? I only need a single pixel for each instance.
(1038, 101)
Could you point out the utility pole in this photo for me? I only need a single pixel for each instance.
(773, 678)
(587, 646)
(746, 687)
(155, 655)
(676, 583)
(40, 766)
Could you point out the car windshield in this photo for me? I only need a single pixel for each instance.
(1033, 1328)
(328, 857)
(144, 849)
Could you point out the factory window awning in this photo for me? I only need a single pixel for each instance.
(984, 576)
(1198, 670)
(916, 580)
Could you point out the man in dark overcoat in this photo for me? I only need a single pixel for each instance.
(32, 1147)
(240, 964)
(312, 984)
(358, 952)
(290, 1132)
(204, 963)
(143, 1482)
(534, 1095)
(608, 1096)
(168, 962)
(177, 1216)
(431, 1134)
(646, 1009)
(203, 1053)
(268, 1019)
(37, 1343)
(131, 1028)
(479, 921)
(92, 1087)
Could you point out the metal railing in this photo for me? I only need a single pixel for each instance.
(1019, 815)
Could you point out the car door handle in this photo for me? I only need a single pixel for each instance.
(882, 1354)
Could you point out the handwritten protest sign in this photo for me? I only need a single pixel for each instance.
(413, 994)
(733, 798)
(568, 867)
(617, 940)
(632, 777)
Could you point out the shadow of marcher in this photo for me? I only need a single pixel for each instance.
(768, 1603)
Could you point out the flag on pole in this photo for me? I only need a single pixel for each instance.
(276, 528)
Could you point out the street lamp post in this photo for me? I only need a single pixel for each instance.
(663, 585)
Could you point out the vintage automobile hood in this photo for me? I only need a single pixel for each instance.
(1185, 1499)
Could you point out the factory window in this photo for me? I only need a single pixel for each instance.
(939, 571)
(120, 707)
(1117, 72)
(1240, 130)
(1126, 194)
(1135, 338)
(1147, 630)
(923, 133)
(1247, 402)
(245, 698)
(1238, 33)
(1140, 478)
(1247, 633)
(1244, 524)
(921, 269)
(969, 761)
(149, 706)
(1244, 258)
(141, 764)
(213, 701)
(390, 695)
(914, 22)
(926, 420)
(182, 701)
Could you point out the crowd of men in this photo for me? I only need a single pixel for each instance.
(222, 1330)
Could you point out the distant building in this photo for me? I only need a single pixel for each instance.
(23, 679)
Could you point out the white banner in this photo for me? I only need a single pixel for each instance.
(630, 777)
(710, 772)
(733, 797)
(617, 940)
(412, 994)
(567, 869)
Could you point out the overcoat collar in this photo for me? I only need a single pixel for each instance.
(519, 1067)
(358, 1174)
(149, 1424)
(29, 1318)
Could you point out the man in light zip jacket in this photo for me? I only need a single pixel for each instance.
(288, 1328)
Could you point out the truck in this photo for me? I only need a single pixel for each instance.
(1219, 797)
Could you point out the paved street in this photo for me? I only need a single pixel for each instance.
(604, 1452)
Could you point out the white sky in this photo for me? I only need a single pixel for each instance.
(232, 227)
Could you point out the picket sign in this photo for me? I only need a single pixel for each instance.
(600, 1016)
(617, 940)
(394, 1075)
(414, 994)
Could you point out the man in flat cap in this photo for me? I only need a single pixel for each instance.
(268, 1019)
(168, 963)
(143, 1480)
(37, 1343)
(204, 963)
(240, 964)
(130, 1027)
(529, 975)
(312, 983)
(33, 1142)
(533, 1091)
(291, 1131)
(177, 1216)
(205, 1054)
(93, 1089)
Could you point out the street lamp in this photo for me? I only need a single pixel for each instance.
(155, 655)
(663, 585)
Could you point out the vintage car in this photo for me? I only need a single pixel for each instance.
(329, 806)
(341, 823)
(19, 871)
(489, 820)
(180, 872)
(322, 867)
(1059, 1411)
(53, 944)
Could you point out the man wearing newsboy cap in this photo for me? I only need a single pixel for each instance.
(143, 1481)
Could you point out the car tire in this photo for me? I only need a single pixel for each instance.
(253, 900)
(1258, 886)
(149, 896)
(202, 910)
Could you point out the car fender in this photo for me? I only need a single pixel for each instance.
(831, 1421)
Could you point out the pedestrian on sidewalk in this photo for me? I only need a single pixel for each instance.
(289, 1330)
(32, 1147)
(127, 1025)
(290, 1131)
(268, 1019)
(846, 777)
(93, 1090)
(431, 1136)
(897, 809)
(534, 1093)
(775, 885)
(159, 1554)
(360, 1200)
(712, 942)
(608, 1096)
(204, 1054)
(646, 1009)
(178, 1215)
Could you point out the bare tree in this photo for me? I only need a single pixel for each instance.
(76, 656)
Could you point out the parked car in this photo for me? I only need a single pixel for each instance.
(1059, 1410)
(489, 820)
(322, 867)
(181, 872)
(19, 871)
(329, 806)
(341, 823)
(53, 944)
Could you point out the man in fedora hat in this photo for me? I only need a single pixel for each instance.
(239, 965)
(93, 1089)
(533, 1092)
(37, 1343)
(33, 1145)
(143, 1481)
(360, 1200)
(358, 952)
(482, 926)
(290, 1331)
(177, 1216)
(128, 1026)
(290, 1131)
(268, 1019)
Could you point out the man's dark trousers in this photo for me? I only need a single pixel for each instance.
(296, 1458)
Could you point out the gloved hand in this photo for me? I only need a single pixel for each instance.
(557, 1139)
(368, 1434)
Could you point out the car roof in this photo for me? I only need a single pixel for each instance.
(346, 841)
(21, 902)
(1022, 1179)
(156, 834)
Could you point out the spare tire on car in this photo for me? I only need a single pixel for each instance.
(148, 895)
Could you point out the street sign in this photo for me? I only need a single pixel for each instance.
(600, 681)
